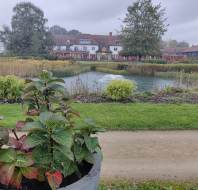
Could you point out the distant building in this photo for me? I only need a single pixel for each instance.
(87, 47)
(172, 51)
(173, 54)
(191, 52)
(2, 48)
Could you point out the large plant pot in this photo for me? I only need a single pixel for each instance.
(90, 181)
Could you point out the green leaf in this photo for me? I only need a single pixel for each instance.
(44, 117)
(90, 158)
(80, 152)
(35, 139)
(65, 151)
(32, 126)
(56, 88)
(63, 137)
(91, 143)
(41, 156)
(56, 121)
(69, 168)
(23, 160)
(56, 80)
(39, 85)
(7, 155)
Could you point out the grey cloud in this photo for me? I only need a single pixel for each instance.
(102, 16)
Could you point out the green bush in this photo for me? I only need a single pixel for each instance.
(155, 61)
(11, 87)
(173, 90)
(120, 89)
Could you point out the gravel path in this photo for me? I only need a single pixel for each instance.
(160, 155)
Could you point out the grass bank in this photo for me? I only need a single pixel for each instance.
(115, 116)
(149, 186)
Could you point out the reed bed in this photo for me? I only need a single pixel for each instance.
(29, 67)
(151, 69)
(189, 79)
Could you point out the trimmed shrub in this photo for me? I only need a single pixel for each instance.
(11, 87)
(120, 89)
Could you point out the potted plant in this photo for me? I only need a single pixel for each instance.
(53, 153)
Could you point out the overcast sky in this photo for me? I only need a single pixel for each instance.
(103, 16)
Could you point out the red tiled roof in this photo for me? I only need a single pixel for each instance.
(191, 49)
(101, 40)
(172, 50)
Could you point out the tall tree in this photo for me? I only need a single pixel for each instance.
(74, 32)
(58, 30)
(28, 34)
(144, 26)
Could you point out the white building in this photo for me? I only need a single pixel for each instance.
(2, 48)
(92, 49)
(87, 46)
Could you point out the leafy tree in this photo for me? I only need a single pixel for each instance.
(143, 28)
(74, 32)
(28, 34)
(183, 44)
(174, 44)
(58, 30)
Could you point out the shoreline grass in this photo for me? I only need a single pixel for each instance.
(116, 116)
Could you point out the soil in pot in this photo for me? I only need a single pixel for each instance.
(84, 169)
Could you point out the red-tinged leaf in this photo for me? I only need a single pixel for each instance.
(41, 175)
(16, 179)
(30, 173)
(54, 179)
(20, 125)
(18, 144)
(33, 112)
(6, 173)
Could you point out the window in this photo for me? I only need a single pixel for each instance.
(115, 49)
(85, 41)
(75, 48)
(93, 48)
(84, 48)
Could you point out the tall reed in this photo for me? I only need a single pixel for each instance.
(29, 67)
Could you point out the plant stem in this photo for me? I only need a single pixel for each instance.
(14, 132)
(51, 144)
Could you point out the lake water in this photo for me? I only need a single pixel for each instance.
(98, 81)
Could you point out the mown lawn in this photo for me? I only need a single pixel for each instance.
(116, 116)
(149, 186)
